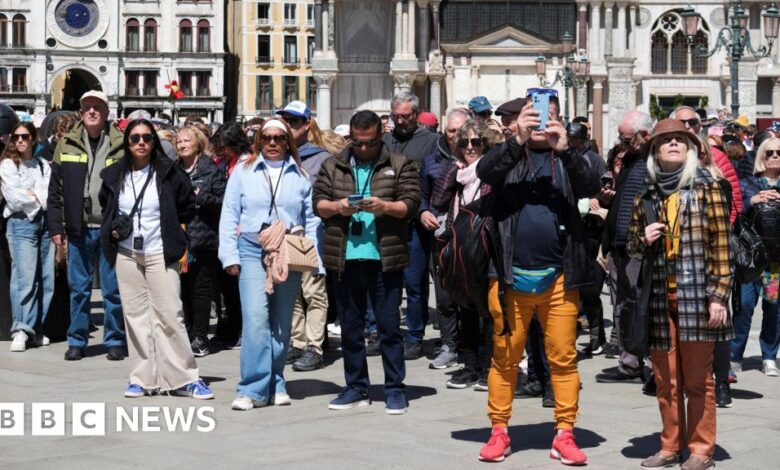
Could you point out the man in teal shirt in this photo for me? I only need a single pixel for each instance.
(366, 197)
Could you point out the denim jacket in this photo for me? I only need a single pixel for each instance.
(247, 206)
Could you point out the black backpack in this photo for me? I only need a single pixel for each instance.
(466, 249)
(765, 220)
(750, 256)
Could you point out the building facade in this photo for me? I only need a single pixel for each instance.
(52, 51)
(272, 42)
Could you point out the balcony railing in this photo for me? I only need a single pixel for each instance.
(265, 61)
(305, 62)
(290, 23)
(204, 91)
(290, 61)
(132, 91)
(187, 91)
(310, 23)
(263, 22)
(150, 91)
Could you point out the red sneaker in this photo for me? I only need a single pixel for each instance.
(565, 449)
(497, 448)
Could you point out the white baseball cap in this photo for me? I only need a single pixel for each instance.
(94, 94)
(342, 130)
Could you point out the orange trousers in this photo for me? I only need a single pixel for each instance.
(687, 365)
(557, 311)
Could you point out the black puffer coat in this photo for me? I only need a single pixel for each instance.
(209, 184)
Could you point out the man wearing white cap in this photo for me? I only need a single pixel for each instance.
(311, 306)
(74, 218)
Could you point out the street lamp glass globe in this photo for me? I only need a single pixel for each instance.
(541, 66)
(771, 22)
(691, 20)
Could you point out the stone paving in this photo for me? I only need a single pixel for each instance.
(444, 429)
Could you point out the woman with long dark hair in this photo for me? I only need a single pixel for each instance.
(145, 198)
(268, 192)
(24, 180)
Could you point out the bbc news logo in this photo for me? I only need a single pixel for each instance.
(89, 419)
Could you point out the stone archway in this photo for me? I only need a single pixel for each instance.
(68, 86)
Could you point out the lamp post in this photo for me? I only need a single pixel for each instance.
(735, 39)
(574, 73)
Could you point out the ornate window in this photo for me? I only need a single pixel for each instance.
(185, 36)
(150, 35)
(204, 35)
(3, 31)
(133, 33)
(670, 51)
(19, 31)
(264, 95)
(290, 89)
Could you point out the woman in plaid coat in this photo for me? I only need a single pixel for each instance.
(692, 280)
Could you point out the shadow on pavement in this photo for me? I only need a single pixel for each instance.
(305, 388)
(645, 446)
(740, 394)
(413, 392)
(530, 436)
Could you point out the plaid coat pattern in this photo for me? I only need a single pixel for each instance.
(704, 269)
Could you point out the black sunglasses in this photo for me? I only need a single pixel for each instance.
(24, 137)
(136, 138)
(361, 143)
(691, 122)
(295, 122)
(771, 153)
(475, 142)
(275, 138)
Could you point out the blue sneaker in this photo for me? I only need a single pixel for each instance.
(395, 403)
(197, 389)
(350, 397)
(134, 391)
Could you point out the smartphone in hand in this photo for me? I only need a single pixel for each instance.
(541, 103)
(354, 199)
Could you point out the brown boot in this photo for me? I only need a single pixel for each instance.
(659, 461)
(696, 462)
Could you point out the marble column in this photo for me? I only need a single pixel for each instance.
(325, 27)
(403, 81)
(412, 28)
(619, 48)
(399, 20)
(608, 28)
(582, 23)
(474, 80)
(436, 26)
(435, 98)
(776, 97)
(581, 101)
(598, 110)
(595, 32)
(424, 38)
(318, 25)
(324, 83)
(449, 83)
(405, 33)
(332, 25)
(632, 11)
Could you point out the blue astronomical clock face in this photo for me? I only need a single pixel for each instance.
(77, 18)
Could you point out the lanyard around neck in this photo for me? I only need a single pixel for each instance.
(274, 190)
(368, 180)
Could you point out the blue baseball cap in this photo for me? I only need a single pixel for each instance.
(297, 109)
(479, 104)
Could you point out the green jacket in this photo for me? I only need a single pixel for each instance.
(68, 177)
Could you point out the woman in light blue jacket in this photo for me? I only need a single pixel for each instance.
(267, 186)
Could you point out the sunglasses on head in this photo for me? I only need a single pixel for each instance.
(690, 122)
(275, 138)
(24, 137)
(361, 143)
(475, 142)
(136, 138)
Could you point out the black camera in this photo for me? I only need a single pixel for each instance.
(607, 180)
(138, 243)
(88, 205)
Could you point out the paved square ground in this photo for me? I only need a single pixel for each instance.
(444, 429)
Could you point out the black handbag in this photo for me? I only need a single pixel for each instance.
(750, 257)
(122, 225)
(635, 310)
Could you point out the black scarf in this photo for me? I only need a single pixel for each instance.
(668, 183)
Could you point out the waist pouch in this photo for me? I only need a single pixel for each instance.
(533, 281)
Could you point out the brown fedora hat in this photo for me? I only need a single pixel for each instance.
(670, 126)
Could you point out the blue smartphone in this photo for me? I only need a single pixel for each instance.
(541, 103)
(354, 199)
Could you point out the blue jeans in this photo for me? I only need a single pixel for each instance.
(32, 272)
(361, 281)
(769, 340)
(267, 321)
(83, 251)
(416, 282)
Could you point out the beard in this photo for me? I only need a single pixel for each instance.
(406, 130)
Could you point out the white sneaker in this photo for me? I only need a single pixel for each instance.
(42, 340)
(770, 368)
(18, 341)
(334, 329)
(243, 403)
(281, 399)
(736, 366)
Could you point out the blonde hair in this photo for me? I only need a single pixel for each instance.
(196, 135)
(315, 134)
(689, 168)
(333, 143)
(760, 165)
(167, 134)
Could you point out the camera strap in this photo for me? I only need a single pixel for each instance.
(139, 198)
